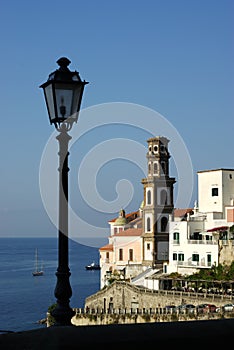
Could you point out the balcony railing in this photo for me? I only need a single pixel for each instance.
(201, 241)
(196, 264)
(195, 241)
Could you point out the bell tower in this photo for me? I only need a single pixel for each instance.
(158, 203)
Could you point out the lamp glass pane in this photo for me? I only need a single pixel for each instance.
(77, 95)
(64, 99)
(48, 91)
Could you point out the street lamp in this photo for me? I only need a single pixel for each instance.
(63, 94)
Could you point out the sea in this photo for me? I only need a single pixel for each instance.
(24, 299)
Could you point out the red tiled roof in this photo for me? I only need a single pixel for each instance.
(130, 232)
(132, 215)
(129, 216)
(108, 247)
(137, 221)
(182, 212)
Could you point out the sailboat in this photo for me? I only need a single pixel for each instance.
(37, 271)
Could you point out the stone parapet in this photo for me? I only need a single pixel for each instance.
(121, 295)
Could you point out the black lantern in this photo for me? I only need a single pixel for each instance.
(63, 94)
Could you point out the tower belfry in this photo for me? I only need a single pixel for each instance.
(158, 202)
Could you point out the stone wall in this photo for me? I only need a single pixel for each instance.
(122, 303)
(95, 318)
(121, 295)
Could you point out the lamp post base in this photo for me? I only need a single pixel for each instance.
(62, 315)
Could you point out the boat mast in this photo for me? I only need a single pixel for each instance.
(36, 260)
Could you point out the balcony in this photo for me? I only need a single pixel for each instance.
(201, 241)
(197, 264)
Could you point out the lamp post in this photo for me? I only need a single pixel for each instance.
(63, 94)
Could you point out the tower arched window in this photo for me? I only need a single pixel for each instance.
(148, 197)
(155, 168)
(163, 197)
(149, 168)
(164, 224)
(148, 225)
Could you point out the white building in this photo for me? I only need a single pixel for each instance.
(190, 245)
(195, 242)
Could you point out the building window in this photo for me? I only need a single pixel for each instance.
(121, 254)
(215, 192)
(195, 257)
(149, 168)
(163, 224)
(115, 230)
(176, 237)
(155, 168)
(180, 257)
(174, 256)
(107, 255)
(209, 259)
(148, 225)
(148, 197)
(148, 246)
(130, 257)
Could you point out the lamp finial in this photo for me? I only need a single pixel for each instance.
(63, 63)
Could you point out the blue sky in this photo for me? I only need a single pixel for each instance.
(174, 57)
